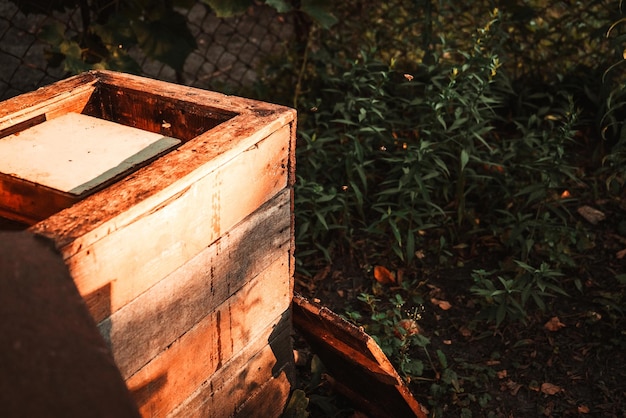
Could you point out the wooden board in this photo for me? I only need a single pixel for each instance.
(53, 361)
(356, 363)
(263, 369)
(269, 400)
(172, 376)
(198, 287)
(76, 153)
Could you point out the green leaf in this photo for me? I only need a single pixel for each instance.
(319, 10)
(73, 62)
(52, 33)
(281, 6)
(464, 159)
(442, 359)
(500, 314)
(116, 32)
(228, 8)
(297, 405)
(166, 39)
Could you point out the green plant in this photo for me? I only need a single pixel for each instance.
(109, 30)
(613, 123)
(319, 10)
(396, 330)
(507, 296)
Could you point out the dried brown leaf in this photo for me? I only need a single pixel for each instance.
(550, 389)
(583, 409)
(511, 387)
(443, 304)
(591, 215)
(410, 327)
(554, 324)
(621, 254)
(322, 274)
(466, 332)
(383, 275)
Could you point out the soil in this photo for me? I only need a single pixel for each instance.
(566, 361)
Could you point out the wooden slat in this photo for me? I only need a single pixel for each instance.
(136, 332)
(355, 361)
(133, 258)
(28, 203)
(53, 361)
(177, 372)
(152, 111)
(268, 357)
(203, 98)
(269, 400)
(70, 95)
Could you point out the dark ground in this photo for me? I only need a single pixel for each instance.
(569, 361)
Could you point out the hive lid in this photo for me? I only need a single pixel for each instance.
(75, 153)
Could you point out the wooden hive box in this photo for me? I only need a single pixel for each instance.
(181, 247)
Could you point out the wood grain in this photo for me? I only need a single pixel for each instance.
(178, 371)
(267, 358)
(187, 263)
(70, 95)
(165, 236)
(198, 287)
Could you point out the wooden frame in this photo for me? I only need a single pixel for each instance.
(179, 220)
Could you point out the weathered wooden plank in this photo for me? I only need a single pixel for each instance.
(26, 202)
(152, 111)
(46, 103)
(269, 400)
(177, 372)
(205, 98)
(199, 286)
(355, 361)
(134, 258)
(53, 361)
(267, 357)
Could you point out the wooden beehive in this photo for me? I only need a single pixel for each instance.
(184, 256)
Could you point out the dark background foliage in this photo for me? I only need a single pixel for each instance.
(458, 148)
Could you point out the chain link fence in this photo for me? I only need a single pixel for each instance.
(229, 50)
